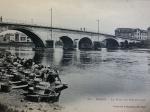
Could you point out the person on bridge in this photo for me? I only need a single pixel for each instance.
(1, 19)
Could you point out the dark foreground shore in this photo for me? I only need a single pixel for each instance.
(15, 100)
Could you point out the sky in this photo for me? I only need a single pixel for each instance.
(76, 14)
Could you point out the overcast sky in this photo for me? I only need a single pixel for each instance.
(80, 13)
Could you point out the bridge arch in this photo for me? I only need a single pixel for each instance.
(85, 43)
(111, 43)
(35, 39)
(67, 42)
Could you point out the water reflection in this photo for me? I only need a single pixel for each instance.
(85, 58)
(38, 56)
(98, 74)
(67, 58)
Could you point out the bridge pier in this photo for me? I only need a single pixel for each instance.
(97, 45)
(76, 44)
(50, 44)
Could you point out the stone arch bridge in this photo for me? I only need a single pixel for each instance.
(41, 36)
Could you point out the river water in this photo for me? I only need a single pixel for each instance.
(99, 81)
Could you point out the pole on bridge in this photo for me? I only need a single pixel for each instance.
(51, 24)
(98, 28)
(50, 42)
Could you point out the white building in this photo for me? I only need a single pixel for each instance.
(148, 30)
(140, 34)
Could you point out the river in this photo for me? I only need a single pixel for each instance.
(99, 81)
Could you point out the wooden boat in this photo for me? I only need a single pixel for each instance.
(45, 95)
(19, 84)
(60, 87)
(7, 87)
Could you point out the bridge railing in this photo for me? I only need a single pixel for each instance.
(34, 23)
(23, 22)
(38, 23)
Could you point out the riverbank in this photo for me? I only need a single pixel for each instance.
(18, 44)
(15, 100)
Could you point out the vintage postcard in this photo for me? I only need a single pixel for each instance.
(74, 56)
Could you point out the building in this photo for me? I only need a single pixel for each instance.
(21, 37)
(148, 30)
(131, 33)
(144, 35)
(124, 32)
(6, 38)
(14, 37)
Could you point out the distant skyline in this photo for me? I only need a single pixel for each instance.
(78, 14)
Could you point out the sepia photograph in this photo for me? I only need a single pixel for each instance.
(74, 56)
